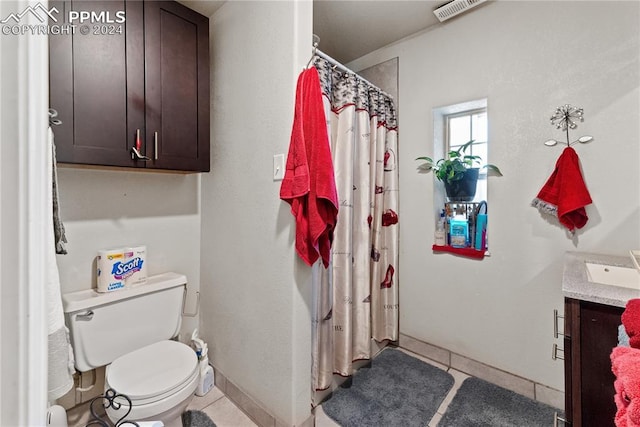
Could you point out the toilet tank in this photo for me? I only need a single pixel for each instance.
(105, 326)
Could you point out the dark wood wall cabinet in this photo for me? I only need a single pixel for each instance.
(591, 332)
(132, 93)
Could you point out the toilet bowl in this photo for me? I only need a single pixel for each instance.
(160, 379)
(131, 332)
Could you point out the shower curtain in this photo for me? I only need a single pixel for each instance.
(356, 298)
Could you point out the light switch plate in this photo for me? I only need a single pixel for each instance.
(278, 167)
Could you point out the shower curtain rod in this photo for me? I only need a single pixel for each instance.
(318, 52)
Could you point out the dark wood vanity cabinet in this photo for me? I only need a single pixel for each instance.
(591, 332)
(139, 83)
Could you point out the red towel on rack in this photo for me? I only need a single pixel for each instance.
(309, 183)
(565, 194)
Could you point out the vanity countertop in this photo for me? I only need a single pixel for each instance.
(575, 283)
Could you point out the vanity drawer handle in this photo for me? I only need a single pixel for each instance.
(555, 324)
(554, 352)
(556, 418)
(155, 145)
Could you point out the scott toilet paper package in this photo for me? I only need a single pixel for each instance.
(105, 263)
(121, 267)
(134, 268)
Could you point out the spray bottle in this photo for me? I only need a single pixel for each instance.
(440, 235)
(207, 378)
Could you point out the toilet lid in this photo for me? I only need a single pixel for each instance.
(152, 370)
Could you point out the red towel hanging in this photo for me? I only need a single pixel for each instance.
(309, 184)
(565, 194)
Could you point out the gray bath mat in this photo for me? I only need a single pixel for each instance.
(397, 390)
(479, 403)
(193, 418)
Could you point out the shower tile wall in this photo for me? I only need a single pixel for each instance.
(385, 76)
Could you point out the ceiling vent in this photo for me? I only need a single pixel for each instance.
(455, 7)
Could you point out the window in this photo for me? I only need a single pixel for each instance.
(454, 126)
(462, 127)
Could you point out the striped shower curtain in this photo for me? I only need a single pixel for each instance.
(356, 298)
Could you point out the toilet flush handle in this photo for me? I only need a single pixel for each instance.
(87, 315)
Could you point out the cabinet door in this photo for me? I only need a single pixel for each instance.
(97, 85)
(177, 86)
(572, 397)
(598, 335)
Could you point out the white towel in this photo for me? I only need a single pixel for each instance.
(61, 364)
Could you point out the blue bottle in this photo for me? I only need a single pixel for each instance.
(481, 232)
(459, 232)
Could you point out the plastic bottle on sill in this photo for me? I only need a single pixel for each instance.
(448, 214)
(481, 232)
(440, 235)
(459, 231)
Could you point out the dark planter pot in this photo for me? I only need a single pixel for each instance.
(463, 190)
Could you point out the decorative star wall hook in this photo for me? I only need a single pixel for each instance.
(565, 118)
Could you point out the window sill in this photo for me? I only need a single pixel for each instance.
(464, 252)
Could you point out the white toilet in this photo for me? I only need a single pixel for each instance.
(130, 330)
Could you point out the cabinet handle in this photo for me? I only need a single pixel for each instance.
(155, 145)
(556, 418)
(555, 324)
(135, 150)
(554, 352)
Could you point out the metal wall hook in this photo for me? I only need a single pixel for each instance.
(52, 118)
(564, 118)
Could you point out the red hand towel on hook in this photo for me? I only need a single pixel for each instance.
(309, 183)
(565, 194)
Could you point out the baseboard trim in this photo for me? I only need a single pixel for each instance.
(250, 407)
(515, 383)
(449, 359)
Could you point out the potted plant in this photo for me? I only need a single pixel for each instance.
(459, 172)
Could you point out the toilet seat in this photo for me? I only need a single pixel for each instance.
(155, 378)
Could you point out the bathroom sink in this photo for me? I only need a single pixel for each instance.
(613, 275)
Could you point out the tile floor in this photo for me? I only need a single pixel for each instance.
(226, 414)
(219, 408)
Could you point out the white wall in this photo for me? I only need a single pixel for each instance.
(255, 293)
(527, 58)
(103, 209)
